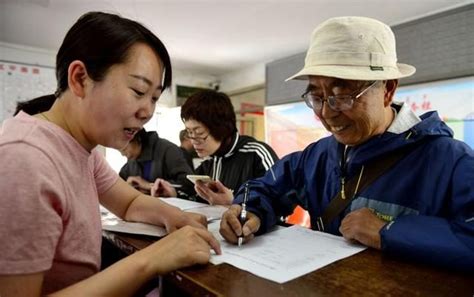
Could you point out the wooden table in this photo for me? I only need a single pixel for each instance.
(368, 273)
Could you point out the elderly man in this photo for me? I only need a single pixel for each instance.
(385, 178)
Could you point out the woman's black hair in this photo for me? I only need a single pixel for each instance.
(37, 105)
(213, 109)
(101, 40)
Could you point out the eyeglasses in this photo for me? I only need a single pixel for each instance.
(192, 135)
(336, 102)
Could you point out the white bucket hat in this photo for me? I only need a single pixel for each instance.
(356, 48)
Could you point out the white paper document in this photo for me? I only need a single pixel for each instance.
(287, 253)
(212, 212)
(110, 222)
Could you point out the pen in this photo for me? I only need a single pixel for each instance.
(243, 213)
(136, 185)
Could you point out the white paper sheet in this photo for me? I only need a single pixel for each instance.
(287, 253)
(110, 222)
(212, 212)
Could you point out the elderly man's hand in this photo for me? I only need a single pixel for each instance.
(231, 227)
(364, 226)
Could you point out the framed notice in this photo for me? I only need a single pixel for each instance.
(20, 82)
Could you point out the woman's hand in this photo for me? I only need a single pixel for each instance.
(185, 247)
(174, 218)
(214, 192)
(162, 188)
(140, 184)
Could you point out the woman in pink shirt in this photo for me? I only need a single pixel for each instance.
(111, 72)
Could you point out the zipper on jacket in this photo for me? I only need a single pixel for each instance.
(343, 171)
(343, 193)
(214, 167)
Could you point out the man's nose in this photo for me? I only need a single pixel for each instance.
(327, 111)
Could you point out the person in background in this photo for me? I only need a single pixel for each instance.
(421, 208)
(151, 157)
(187, 148)
(232, 159)
(110, 71)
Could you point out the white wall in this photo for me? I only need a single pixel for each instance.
(24, 54)
(247, 86)
(167, 122)
(185, 78)
(242, 79)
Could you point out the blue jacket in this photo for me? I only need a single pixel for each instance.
(427, 197)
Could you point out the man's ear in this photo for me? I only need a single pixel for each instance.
(389, 92)
(77, 78)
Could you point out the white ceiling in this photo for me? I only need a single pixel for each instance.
(210, 37)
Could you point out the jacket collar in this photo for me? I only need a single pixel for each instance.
(405, 118)
(228, 146)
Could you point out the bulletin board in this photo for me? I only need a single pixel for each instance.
(453, 99)
(20, 82)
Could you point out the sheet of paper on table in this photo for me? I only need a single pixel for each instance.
(110, 222)
(212, 212)
(286, 253)
(183, 204)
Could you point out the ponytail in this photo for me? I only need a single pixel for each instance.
(37, 105)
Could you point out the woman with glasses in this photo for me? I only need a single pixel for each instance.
(232, 159)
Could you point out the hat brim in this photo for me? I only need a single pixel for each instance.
(355, 72)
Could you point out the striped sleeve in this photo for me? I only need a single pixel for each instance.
(262, 151)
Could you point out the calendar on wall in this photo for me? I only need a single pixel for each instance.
(20, 82)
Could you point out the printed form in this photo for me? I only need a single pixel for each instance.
(286, 253)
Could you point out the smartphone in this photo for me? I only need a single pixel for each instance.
(194, 178)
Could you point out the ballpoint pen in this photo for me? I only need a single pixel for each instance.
(243, 213)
